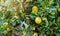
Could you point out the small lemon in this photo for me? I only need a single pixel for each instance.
(8, 29)
(58, 9)
(38, 20)
(35, 34)
(34, 9)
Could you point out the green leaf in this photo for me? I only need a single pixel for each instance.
(57, 34)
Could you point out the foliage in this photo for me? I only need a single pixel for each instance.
(17, 17)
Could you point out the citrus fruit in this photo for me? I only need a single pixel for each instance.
(38, 20)
(34, 9)
(35, 34)
(8, 29)
(58, 9)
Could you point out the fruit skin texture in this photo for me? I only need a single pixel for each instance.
(34, 9)
(59, 9)
(8, 29)
(38, 20)
(35, 34)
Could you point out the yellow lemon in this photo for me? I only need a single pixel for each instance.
(8, 29)
(34, 9)
(38, 20)
(35, 34)
(58, 9)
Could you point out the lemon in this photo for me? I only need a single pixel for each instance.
(34, 9)
(8, 29)
(59, 9)
(35, 34)
(38, 20)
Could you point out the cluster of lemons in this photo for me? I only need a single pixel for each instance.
(38, 20)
